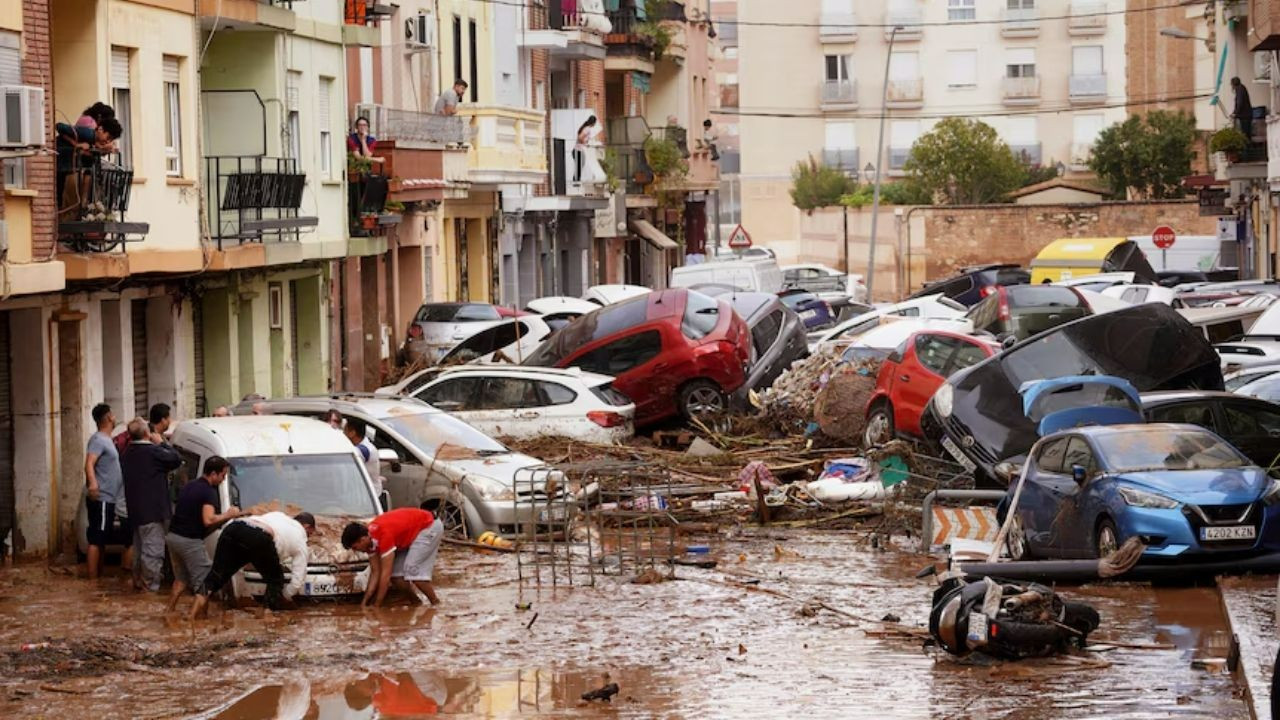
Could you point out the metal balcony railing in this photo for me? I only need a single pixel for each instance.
(1020, 22)
(1088, 87)
(252, 198)
(1021, 89)
(840, 92)
(93, 202)
(845, 159)
(1029, 154)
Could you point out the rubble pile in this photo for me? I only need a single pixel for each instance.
(824, 389)
(789, 402)
(841, 405)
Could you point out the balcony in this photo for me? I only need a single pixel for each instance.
(360, 20)
(845, 159)
(1028, 154)
(626, 137)
(1022, 91)
(1020, 22)
(247, 15)
(571, 34)
(908, 18)
(1086, 89)
(839, 95)
(507, 146)
(574, 173)
(905, 94)
(625, 39)
(417, 127)
(1086, 18)
(838, 28)
(898, 158)
(251, 199)
(417, 172)
(93, 204)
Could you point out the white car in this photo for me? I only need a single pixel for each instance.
(1264, 388)
(510, 341)
(824, 281)
(1142, 294)
(1240, 378)
(559, 310)
(934, 307)
(609, 294)
(1246, 353)
(525, 402)
(883, 339)
(1100, 303)
(1098, 281)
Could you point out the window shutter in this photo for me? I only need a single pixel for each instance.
(291, 91)
(326, 90)
(10, 59)
(171, 70)
(120, 68)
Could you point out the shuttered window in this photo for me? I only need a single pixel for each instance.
(293, 103)
(173, 116)
(197, 352)
(122, 101)
(325, 122)
(138, 332)
(120, 67)
(10, 58)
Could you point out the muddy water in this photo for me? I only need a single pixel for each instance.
(702, 646)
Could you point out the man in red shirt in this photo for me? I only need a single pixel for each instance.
(402, 544)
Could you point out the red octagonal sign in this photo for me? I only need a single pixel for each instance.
(1163, 237)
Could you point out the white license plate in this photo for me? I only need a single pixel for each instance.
(960, 457)
(320, 588)
(554, 514)
(1233, 532)
(977, 629)
(809, 314)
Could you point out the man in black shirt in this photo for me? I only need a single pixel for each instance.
(1243, 112)
(146, 465)
(194, 517)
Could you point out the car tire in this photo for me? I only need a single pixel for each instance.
(1016, 541)
(879, 429)
(1105, 539)
(460, 519)
(701, 397)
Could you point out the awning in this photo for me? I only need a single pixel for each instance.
(656, 237)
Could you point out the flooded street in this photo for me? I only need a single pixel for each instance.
(726, 642)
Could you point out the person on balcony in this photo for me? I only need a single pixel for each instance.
(447, 104)
(586, 155)
(1243, 111)
(80, 147)
(360, 143)
(709, 136)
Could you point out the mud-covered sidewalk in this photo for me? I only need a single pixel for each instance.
(788, 625)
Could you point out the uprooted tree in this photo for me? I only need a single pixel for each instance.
(815, 185)
(963, 162)
(1146, 157)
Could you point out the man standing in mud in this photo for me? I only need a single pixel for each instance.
(268, 542)
(195, 515)
(104, 487)
(146, 465)
(402, 544)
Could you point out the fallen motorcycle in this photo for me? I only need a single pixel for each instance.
(1007, 620)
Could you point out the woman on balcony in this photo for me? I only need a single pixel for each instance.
(360, 143)
(586, 154)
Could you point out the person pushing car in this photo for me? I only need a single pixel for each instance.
(402, 544)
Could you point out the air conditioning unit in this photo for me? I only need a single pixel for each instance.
(21, 116)
(420, 32)
(377, 115)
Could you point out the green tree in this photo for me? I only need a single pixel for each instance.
(963, 162)
(814, 185)
(891, 193)
(1146, 157)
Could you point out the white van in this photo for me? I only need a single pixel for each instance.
(755, 274)
(297, 464)
(1189, 252)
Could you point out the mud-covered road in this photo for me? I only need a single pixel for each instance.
(705, 645)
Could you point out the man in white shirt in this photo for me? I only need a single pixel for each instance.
(268, 542)
(357, 431)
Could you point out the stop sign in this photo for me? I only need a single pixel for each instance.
(1163, 237)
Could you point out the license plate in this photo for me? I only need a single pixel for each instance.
(320, 588)
(977, 629)
(809, 314)
(960, 457)
(1233, 532)
(554, 514)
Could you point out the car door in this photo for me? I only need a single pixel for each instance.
(1039, 506)
(1078, 508)
(633, 360)
(404, 480)
(508, 406)
(561, 413)
(1254, 428)
(918, 377)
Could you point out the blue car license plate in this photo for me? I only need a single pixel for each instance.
(1231, 532)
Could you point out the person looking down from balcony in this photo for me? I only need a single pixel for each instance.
(360, 143)
(586, 159)
(447, 104)
(79, 147)
(709, 136)
(95, 114)
(1243, 112)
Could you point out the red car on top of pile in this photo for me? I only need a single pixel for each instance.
(670, 351)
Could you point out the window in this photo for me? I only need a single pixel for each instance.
(1085, 128)
(190, 464)
(837, 7)
(509, 394)
(1021, 4)
(1191, 413)
(1250, 420)
(837, 67)
(622, 355)
(960, 10)
(731, 53)
(1020, 131)
(121, 101)
(15, 172)
(325, 120)
(557, 394)
(475, 64)
(1020, 62)
(452, 395)
(1086, 60)
(1078, 453)
(173, 117)
(967, 354)
(904, 66)
(701, 315)
(765, 332)
(1050, 458)
(933, 351)
(840, 136)
(293, 104)
(962, 68)
(457, 49)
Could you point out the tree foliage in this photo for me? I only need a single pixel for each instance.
(891, 193)
(1146, 157)
(963, 162)
(814, 185)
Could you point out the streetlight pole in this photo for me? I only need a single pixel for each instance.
(875, 195)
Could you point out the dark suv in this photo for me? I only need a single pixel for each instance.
(1025, 310)
(974, 283)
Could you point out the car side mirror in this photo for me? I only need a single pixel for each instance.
(1008, 472)
(387, 455)
(1079, 474)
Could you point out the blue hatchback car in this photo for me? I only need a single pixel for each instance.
(1181, 489)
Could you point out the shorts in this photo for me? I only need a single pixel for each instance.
(104, 527)
(419, 561)
(190, 560)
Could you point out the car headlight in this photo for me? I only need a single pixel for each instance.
(943, 400)
(1143, 499)
(1272, 494)
(490, 489)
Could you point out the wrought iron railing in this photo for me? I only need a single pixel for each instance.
(252, 198)
(93, 201)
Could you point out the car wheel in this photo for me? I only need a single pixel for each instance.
(701, 398)
(1106, 540)
(460, 521)
(879, 425)
(1016, 541)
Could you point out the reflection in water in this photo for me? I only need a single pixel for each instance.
(410, 694)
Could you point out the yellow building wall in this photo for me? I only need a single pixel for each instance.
(477, 211)
(466, 10)
(11, 15)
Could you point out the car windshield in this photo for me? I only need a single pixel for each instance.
(1167, 449)
(429, 431)
(319, 484)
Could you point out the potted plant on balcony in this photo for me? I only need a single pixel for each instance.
(1229, 141)
(357, 167)
(652, 30)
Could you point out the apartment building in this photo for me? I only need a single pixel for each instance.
(724, 14)
(1048, 75)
